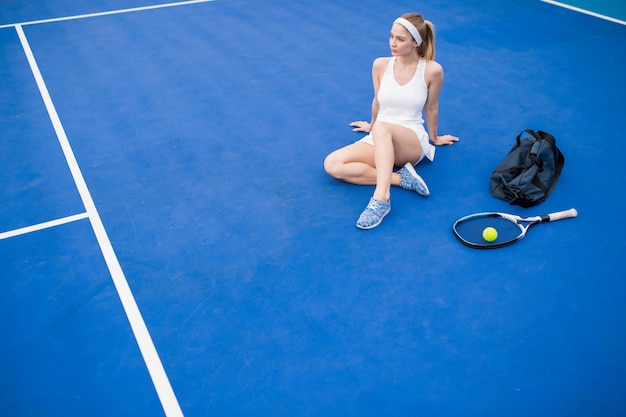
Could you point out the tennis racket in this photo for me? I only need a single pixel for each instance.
(510, 228)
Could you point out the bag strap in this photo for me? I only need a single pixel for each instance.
(559, 159)
(547, 137)
(530, 132)
(518, 140)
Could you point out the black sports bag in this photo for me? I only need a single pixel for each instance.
(528, 173)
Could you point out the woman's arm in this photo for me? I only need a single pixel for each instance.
(434, 79)
(378, 69)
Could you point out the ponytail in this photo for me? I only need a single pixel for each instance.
(427, 49)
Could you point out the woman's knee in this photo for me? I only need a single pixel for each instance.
(380, 131)
(332, 165)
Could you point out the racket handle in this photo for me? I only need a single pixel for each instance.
(565, 214)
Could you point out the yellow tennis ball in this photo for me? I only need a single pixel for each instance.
(490, 234)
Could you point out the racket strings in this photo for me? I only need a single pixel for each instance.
(470, 230)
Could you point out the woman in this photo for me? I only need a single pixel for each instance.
(404, 84)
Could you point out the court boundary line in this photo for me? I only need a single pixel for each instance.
(42, 226)
(160, 380)
(585, 11)
(107, 13)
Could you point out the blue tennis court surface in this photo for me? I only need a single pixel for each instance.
(170, 243)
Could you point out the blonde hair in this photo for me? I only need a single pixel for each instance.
(427, 31)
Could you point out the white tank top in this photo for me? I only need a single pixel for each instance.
(403, 104)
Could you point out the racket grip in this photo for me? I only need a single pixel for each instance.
(565, 214)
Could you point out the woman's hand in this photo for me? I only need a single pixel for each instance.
(361, 126)
(445, 140)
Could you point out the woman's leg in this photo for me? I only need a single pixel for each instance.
(353, 163)
(356, 163)
(393, 145)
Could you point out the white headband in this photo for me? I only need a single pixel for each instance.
(412, 29)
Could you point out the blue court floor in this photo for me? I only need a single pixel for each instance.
(171, 245)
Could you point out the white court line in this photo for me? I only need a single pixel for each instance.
(590, 13)
(83, 16)
(42, 226)
(140, 330)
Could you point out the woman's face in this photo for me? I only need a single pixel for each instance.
(400, 41)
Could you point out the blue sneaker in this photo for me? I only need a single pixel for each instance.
(373, 214)
(409, 180)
